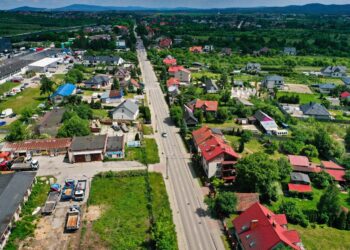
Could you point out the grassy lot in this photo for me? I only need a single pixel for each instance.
(100, 113)
(58, 78)
(29, 98)
(304, 98)
(147, 129)
(323, 237)
(26, 226)
(7, 86)
(124, 223)
(339, 114)
(199, 75)
(148, 153)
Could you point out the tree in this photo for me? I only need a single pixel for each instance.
(222, 114)
(209, 117)
(225, 96)
(293, 213)
(225, 203)
(26, 114)
(46, 86)
(292, 147)
(176, 115)
(198, 113)
(75, 126)
(17, 132)
(309, 151)
(321, 179)
(163, 233)
(285, 168)
(347, 139)
(245, 137)
(340, 221)
(257, 173)
(329, 204)
(347, 175)
(326, 146)
(115, 85)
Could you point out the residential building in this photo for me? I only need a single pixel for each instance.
(110, 60)
(51, 122)
(300, 183)
(98, 81)
(184, 75)
(15, 189)
(335, 170)
(122, 74)
(290, 51)
(126, 111)
(253, 67)
(315, 110)
(346, 80)
(302, 164)
(206, 106)
(172, 81)
(173, 69)
(208, 48)
(173, 93)
(132, 85)
(245, 201)
(325, 88)
(165, 43)
(345, 95)
(211, 87)
(196, 49)
(112, 96)
(259, 228)
(87, 148)
(274, 81)
(169, 61)
(115, 147)
(334, 71)
(203, 134)
(120, 44)
(189, 117)
(62, 92)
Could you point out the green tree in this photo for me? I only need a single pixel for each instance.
(115, 85)
(163, 233)
(17, 132)
(293, 213)
(225, 203)
(225, 96)
(75, 126)
(26, 114)
(222, 114)
(292, 147)
(198, 113)
(321, 179)
(340, 221)
(176, 115)
(46, 86)
(329, 204)
(285, 168)
(347, 139)
(309, 151)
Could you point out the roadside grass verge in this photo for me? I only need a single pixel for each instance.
(26, 225)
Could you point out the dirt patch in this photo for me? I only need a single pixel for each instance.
(93, 213)
(298, 88)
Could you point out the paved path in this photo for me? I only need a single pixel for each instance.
(195, 229)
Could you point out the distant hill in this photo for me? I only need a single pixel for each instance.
(298, 9)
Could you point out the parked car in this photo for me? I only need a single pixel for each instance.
(6, 113)
(124, 128)
(12, 115)
(2, 123)
(164, 135)
(115, 127)
(73, 218)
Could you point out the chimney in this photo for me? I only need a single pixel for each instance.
(253, 224)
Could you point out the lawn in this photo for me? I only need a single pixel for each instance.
(7, 86)
(26, 226)
(125, 222)
(323, 237)
(29, 98)
(100, 113)
(148, 153)
(147, 129)
(304, 98)
(58, 78)
(199, 75)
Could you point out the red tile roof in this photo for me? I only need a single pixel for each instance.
(196, 49)
(246, 200)
(207, 105)
(134, 83)
(215, 147)
(115, 93)
(40, 144)
(166, 42)
(203, 134)
(173, 69)
(170, 61)
(338, 175)
(345, 94)
(259, 228)
(298, 160)
(172, 81)
(301, 188)
(331, 165)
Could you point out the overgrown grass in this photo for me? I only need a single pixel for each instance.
(7, 86)
(26, 225)
(146, 154)
(147, 129)
(100, 113)
(304, 98)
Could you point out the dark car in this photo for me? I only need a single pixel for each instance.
(12, 115)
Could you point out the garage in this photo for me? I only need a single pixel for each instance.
(87, 148)
(96, 157)
(79, 158)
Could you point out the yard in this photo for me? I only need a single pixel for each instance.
(147, 129)
(100, 113)
(304, 98)
(58, 78)
(147, 154)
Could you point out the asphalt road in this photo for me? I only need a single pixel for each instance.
(194, 228)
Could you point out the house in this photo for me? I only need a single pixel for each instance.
(120, 44)
(115, 147)
(122, 29)
(300, 183)
(133, 85)
(259, 228)
(173, 93)
(122, 74)
(184, 75)
(326, 88)
(87, 148)
(208, 48)
(126, 111)
(169, 61)
(245, 201)
(165, 43)
(335, 170)
(203, 134)
(62, 92)
(226, 51)
(112, 96)
(267, 123)
(345, 95)
(206, 106)
(98, 81)
(15, 189)
(106, 37)
(196, 49)
(315, 110)
(301, 164)
(211, 87)
(173, 69)
(253, 67)
(346, 80)
(51, 122)
(110, 60)
(273, 81)
(54, 146)
(290, 51)
(218, 159)
(334, 71)
(189, 117)
(172, 81)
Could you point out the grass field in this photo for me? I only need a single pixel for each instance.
(323, 237)
(100, 113)
(7, 86)
(124, 223)
(58, 78)
(304, 98)
(148, 153)
(29, 98)
(147, 129)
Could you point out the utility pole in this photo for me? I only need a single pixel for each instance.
(167, 167)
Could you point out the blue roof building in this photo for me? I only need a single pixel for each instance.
(63, 91)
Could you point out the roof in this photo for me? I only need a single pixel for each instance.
(297, 177)
(262, 117)
(299, 160)
(273, 78)
(196, 49)
(189, 117)
(214, 147)
(346, 80)
(98, 79)
(38, 144)
(203, 134)
(169, 61)
(313, 108)
(207, 105)
(115, 143)
(173, 69)
(327, 86)
(259, 228)
(338, 175)
(333, 69)
(246, 200)
(127, 104)
(300, 188)
(165, 42)
(210, 84)
(44, 62)
(13, 188)
(90, 142)
(103, 58)
(331, 165)
(172, 81)
(65, 90)
(345, 94)
(51, 121)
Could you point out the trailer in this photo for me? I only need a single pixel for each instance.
(50, 203)
(24, 164)
(68, 190)
(79, 193)
(73, 219)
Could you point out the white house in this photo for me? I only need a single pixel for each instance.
(126, 111)
(184, 75)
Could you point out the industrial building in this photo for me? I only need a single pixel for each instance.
(43, 65)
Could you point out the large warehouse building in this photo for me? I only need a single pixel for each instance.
(43, 65)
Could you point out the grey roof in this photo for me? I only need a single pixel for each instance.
(333, 69)
(289, 50)
(129, 105)
(216, 131)
(90, 142)
(13, 188)
(51, 122)
(245, 102)
(108, 59)
(346, 80)
(297, 177)
(189, 117)
(273, 78)
(314, 109)
(327, 86)
(115, 143)
(211, 85)
(98, 79)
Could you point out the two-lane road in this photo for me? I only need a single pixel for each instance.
(194, 228)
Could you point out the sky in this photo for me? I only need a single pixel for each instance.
(8, 4)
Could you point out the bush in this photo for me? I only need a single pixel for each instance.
(321, 179)
(293, 213)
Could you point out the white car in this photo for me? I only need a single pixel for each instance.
(164, 134)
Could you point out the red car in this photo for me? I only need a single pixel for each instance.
(4, 165)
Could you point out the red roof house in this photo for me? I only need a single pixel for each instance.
(338, 175)
(203, 134)
(258, 228)
(331, 165)
(344, 95)
(206, 105)
(165, 43)
(196, 49)
(173, 69)
(300, 188)
(302, 164)
(172, 81)
(169, 61)
(246, 200)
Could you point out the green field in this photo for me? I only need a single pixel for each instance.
(304, 98)
(28, 98)
(147, 153)
(7, 86)
(100, 113)
(147, 129)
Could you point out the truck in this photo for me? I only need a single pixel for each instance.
(6, 113)
(79, 193)
(73, 219)
(23, 163)
(68, 190)
(50, 203)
